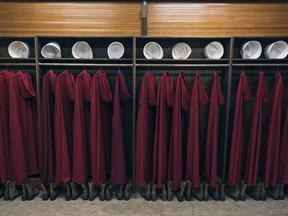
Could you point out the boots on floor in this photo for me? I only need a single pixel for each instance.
(262, 192)
(242, 189)
(163, 193)
(75, 192)
(180, 192)
(13, 192)
(221, 187)
(54, 191)
(147, 192)
(233, 192)
(109, 192)
(214, 192)
(128, 191)
(153, 191)
(254, 192)
(273, 192)
(6, 191)
(28, 192)
(120, 192)
(281, 191)
(68, 192)
(46, 192)
(102, 191)
(198, 192)
(170, 191)
(2, 189)
(93, 193)
(205, 191)
(85, 191)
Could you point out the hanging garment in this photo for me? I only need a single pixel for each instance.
(272, 133)
(162, 129)
(23, 149)
(47, 148)
(198, 98)
(236, 152)
(64, 109)
(253, 151)
(176, 154)
(145, 130)
(211, 149)
(81, 129)
(5, 77)
(100, 126)
(118, 162)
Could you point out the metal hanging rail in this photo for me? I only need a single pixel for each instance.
(182, 65)
(86, 64)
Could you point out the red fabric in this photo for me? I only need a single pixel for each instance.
(5, 77)
(145, 129)
(253, 151)
(162, 129)
(100, 124)
(81, 129)
(64, 109)
(198, 98)
(23, 149)
(272, 133)
(210, 161)
(236, 152)
(181, 105)
(118, 170)
(47, 150)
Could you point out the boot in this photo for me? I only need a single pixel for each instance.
(273, 192)
(254, 192)
(2, 189)
(147, 192)
(169, 191)
(163, 193)
(6, 192)
(102, 191)
(285, 189)
(205, 191)
(109, 192)
(153, 192)
(198, 192)
(128, 191)
(54, 192)
(85, 191)
(92, 191)
(242, 189)
(180, 193)
(233, 192)
(31, 191)
(120, 193)
(46, 192)
(75, 193)
(187, 192)
(13, 192)
(281, 191)
(214, 192)
(221, 187)
(68, 192)
(262, 192)
(24, 193)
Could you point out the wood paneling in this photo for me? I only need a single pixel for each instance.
(198, 19)
(89, 19)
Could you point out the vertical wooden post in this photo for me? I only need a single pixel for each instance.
(144, 10)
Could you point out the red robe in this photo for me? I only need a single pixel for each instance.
(211, 150)
(100, 126)
(253, 151)
(272, 133)
(198, 98)
(145, 129)
(181, 105)
(23, 149)
(81, 129)
(5, 77)
(47, 150)
(236, 153)
(64, 109)
(118, 167)
(162, 129)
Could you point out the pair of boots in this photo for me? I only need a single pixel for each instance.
(217, 193)
(184, 191)
(166, 191)
(72, 191)
(51, 192)
(276, 193)
(28, 192)
(124, 193)
(150, 191)
(10, 191)
(106, 191)
(237, 192)
(257, 193)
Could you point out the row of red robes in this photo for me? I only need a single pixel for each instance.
(82, 128)
(266, 152)
(18, 125)
(162, 127)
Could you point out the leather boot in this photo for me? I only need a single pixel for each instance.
(205, 191)
(169, 191)
(242, 189)
(24, 193)
(187, 192)
(85, 191)
(102, 191)
(214, 192)
(75, 192)
(2, 189)
(46, 192)
(163, 193)
(153, 191)
(128, 191)
(281, 191)
(273, 192)
(262, 192)
(109, 192)
(147, 192)
(233, 192)
(120, 193)
(31, 191)
(221, 187)
(93, 193)
(198, 192)
(68, 192)
(6, 192)
(13, 192)
(254, 192)
(54, 192)
(180, 193)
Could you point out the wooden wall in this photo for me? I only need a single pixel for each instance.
(124, 18)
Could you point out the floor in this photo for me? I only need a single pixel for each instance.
(138, 206)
